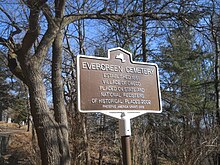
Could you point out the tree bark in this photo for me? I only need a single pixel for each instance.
(86, 141)
(57, 87)
(58, 97)
(144, 50)
(47, 129)
(217, 90)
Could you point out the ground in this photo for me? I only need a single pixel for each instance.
(17, 145)
(22, 148)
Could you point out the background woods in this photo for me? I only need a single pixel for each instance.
(39, 42)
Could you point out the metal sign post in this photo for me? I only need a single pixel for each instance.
(125, 133)
(119, 87)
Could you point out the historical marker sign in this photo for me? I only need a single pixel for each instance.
(117, 84)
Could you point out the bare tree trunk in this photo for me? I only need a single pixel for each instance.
(47, 129)
(60, 113)
(58, 97)
(144, 50)
(86, 141)
(217, 76)
(217, 90)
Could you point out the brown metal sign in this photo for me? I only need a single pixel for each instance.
(117, 84)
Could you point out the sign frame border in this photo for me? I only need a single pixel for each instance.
(115, 112)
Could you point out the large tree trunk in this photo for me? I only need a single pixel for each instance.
(48, 131)
(58, 97)
(57, 87)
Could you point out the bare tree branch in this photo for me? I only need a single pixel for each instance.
(17, 30)
(59, 8)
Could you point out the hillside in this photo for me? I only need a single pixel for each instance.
(16, 145)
